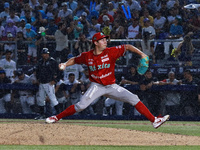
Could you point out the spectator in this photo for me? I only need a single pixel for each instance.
(10, 28)
(133, 4)
(55, 4)
(4, 14)
(111, 10)
(8, 65)
(51, 26)
(85, 22)
(176, 32)
(78, 27)
(28, 18)
(46, 37)
(5, 94)
(21, 26)
(105, 12)
(189, 99)
(70, 30)
(41, 16)
(72, 4)
(80, 9)
(153, 6)
(118, 31)
(26, 97)
(170, 17)
(65, 12)
(171, 3)
(94, 27)
(184, 51)
(32, 48)
(51, 12)
(146, 15)
(2, 30)
(119, 14)
(194, 25)
(106, 26)
(159, 24)
(163, 9)
(21, 48)
(43, 4)
(99, 5)
(13, 16)
(81, 45)
(26, 7)
(33, 4)
(171, 102)
(62, 45)
(148, 33)
(11, 45)
(150, 98)
(76, 69)
(132, 78)
(134, 31)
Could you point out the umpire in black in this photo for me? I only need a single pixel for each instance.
(47, 74)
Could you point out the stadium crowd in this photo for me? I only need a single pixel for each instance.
(65, 28)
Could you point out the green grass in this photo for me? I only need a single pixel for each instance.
(173, 127)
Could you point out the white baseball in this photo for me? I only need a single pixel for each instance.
(62, 66)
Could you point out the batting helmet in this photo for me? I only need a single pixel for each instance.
(45, 51)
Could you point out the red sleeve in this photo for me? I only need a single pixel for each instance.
(164, 80)
(81, 59)
(117, 51)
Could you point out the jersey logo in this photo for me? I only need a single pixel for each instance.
(93, 68)
(90, 61)
(106, 59)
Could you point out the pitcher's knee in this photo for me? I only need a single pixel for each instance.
(79, 107)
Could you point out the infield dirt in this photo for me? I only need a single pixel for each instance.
(65, 134)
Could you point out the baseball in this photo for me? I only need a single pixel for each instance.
(62, 66)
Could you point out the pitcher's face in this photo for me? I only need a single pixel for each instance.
(102, 44)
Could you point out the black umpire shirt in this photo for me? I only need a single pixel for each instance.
(47, 71)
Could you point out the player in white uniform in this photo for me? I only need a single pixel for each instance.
(8, 65)
(73, 91)
(76, 69)
(26, 97)
(118, 106)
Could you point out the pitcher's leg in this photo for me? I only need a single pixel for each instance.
(90, 95)
(119, 93)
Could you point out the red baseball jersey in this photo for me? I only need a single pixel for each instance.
(101, 67)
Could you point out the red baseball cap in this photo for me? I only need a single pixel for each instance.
(98, 36)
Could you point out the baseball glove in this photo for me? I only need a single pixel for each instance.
(143, 65)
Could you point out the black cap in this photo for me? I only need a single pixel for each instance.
(20, 72)
(8, 51)
(45, 51)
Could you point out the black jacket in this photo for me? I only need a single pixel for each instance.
(47, 71)
(3, 92)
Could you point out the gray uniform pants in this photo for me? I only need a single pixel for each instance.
(112, 91)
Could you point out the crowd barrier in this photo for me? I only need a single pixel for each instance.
(22, 86)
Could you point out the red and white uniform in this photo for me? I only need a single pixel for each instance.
(102, 76)
(101, 67)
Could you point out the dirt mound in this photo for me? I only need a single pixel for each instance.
(65, 134)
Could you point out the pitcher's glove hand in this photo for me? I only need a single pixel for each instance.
(143, 65)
